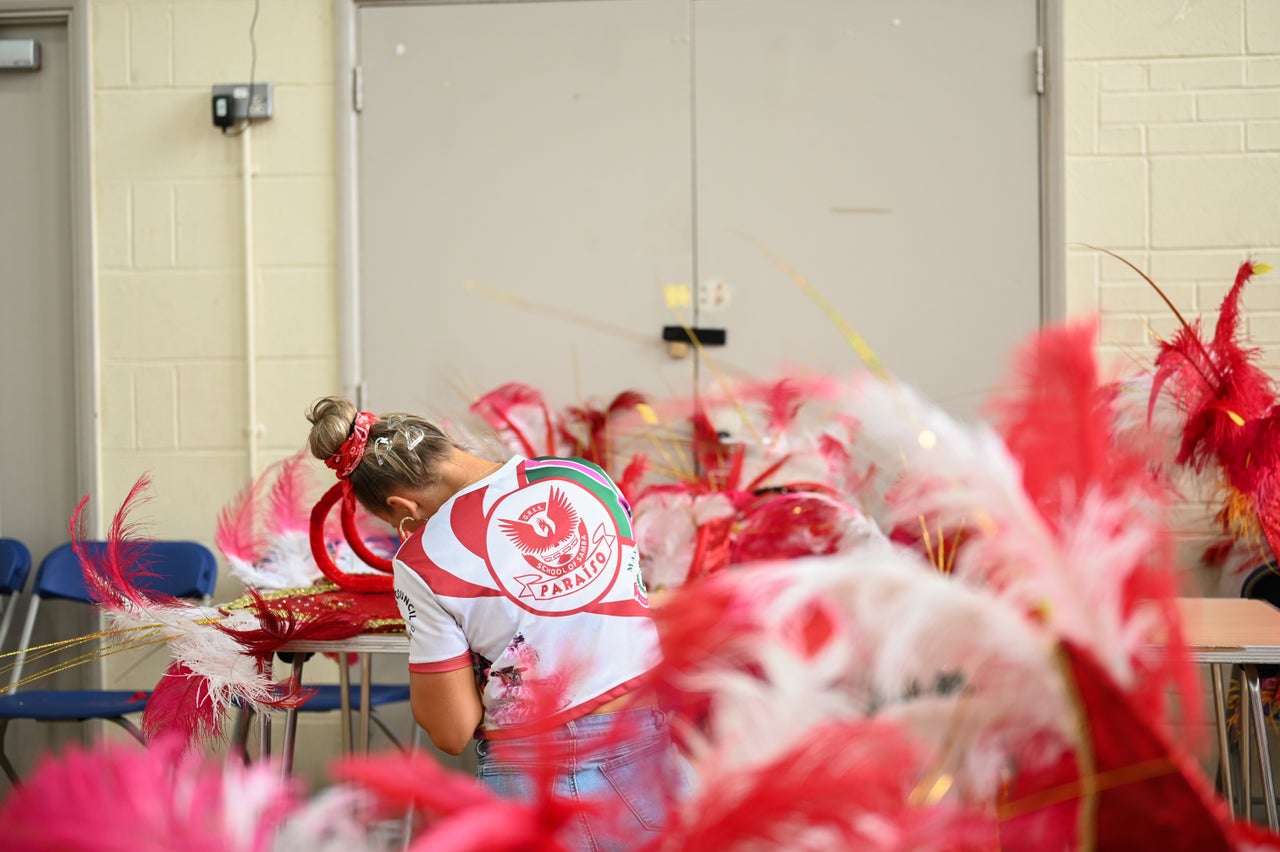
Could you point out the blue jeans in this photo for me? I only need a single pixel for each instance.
(620, 767)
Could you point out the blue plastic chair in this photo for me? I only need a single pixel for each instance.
(328, 697)
(183, 569)
(15, 565)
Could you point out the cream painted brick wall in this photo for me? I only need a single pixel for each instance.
(1197, 74)
(1264, 72)
(170, 252)
(1199, 85)
(1105, 29)
(1263, 19)
(1215, 201)
(1263, 136)
(1194, 138)
(1107, 201)
(169, 231)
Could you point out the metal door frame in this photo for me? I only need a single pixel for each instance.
(74, 15)
(345, 26)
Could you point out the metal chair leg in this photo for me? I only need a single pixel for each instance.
(4, 758)
(377, 719)
(134, 730)
(1264, 748)
(344, 702)
(366, 679)
(1246, 763)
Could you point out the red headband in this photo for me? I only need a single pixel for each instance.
(344, 461)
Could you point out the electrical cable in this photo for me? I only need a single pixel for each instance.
(253, 69)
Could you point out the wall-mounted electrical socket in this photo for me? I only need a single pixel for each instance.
(234, 102)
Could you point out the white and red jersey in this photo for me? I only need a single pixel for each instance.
(534, 572)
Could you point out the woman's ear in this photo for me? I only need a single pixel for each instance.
(400, 507)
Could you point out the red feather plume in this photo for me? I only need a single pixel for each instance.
(500, 408)
(1060, 423)
(181, 704)
(1232, 419)
(280, 622)
(112, 572)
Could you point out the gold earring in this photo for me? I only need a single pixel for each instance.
(405, 535)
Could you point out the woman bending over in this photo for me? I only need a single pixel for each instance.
(528, 620)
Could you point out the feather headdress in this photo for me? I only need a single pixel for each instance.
(218, 654)
(1070, 529)
(1231, 415)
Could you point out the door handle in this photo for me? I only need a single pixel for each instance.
(680, 337)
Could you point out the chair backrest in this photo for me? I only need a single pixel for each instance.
(15, 565)
(182, 569)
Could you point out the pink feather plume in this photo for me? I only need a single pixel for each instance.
(291, 498)
(118, 796)
(237, 534)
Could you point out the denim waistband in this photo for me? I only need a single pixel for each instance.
(587, 736)
(647, 718)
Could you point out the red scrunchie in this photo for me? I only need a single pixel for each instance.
(344, 461)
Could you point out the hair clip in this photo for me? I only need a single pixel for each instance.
(381, 448)
(413, 436)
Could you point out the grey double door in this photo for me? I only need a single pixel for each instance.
(544, 186)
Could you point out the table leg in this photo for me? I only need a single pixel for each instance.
(1246, 764)
(344, 698)
(291, 721)
(264, 721)
(240, 734)
(1264, 749)
(1224, 748)
(366, 679)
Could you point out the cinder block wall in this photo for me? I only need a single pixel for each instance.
(171, 248)
(1172, 130)
(170, 242)
(1173, 159)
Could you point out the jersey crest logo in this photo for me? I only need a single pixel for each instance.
(548, 534)
(565, 536)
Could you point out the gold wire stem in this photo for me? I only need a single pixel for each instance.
(88, 658)
(855, 340)
(1087, 787)
(937, 781)
(942, 548)
(591, 322)
(720, 378)
(88, 637)
(686, 460)
(82, 659)
(950, 565)
(928, 542)
(670, 462)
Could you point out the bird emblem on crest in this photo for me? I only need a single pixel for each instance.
(547, 532)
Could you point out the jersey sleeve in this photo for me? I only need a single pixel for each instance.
(436, 641)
